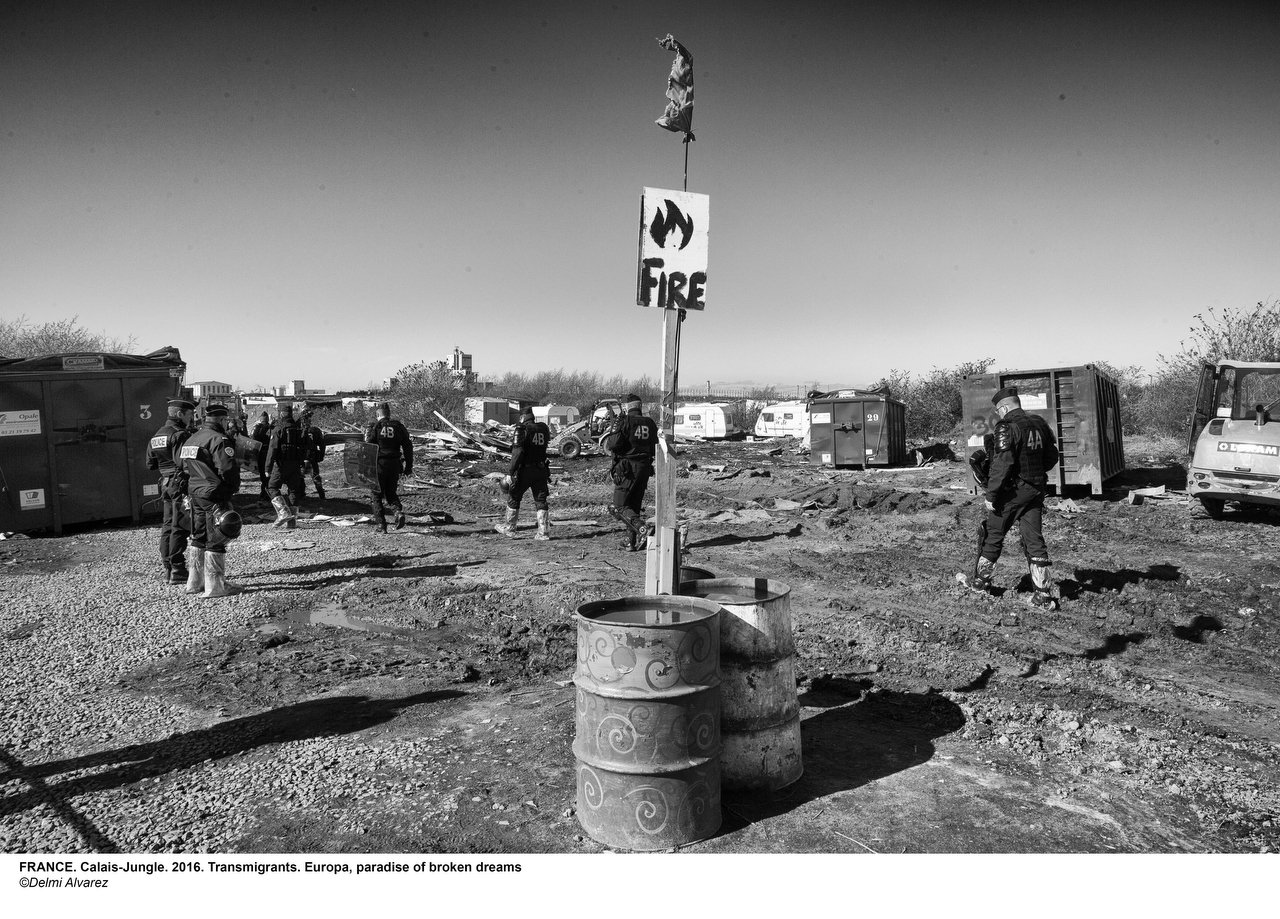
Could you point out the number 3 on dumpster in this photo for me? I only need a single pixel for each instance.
(144, 412)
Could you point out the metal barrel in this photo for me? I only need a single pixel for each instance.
(689, 573)
(647, 721)
(759, 711)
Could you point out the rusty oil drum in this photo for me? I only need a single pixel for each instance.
(760, 713)
(647, 736)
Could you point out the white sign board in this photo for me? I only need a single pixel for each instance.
(13, 424)
(31, 499)
(673, 249)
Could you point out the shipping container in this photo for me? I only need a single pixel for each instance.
(74, 430)
(857, 429)
(1081, 406)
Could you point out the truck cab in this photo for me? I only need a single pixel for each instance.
(1235, 436)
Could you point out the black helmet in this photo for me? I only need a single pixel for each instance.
(228, 522)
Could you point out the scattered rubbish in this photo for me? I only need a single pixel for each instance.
(349, 521)
(786, 504)
(1067, 506)
(760, 473)
(1138, 495)
(1246, 611)
(13, 536)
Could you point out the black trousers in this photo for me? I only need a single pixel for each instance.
(1025, 507)
(173, 526)
(536, 480)
(630, 479)
(385, 490)
(204, 535)
(286, 477)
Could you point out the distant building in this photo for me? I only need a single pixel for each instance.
(297, 389)
(206, 388)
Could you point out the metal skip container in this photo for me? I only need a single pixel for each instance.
(648, 721)
(760, 713)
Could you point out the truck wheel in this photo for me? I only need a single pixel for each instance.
(570, 447)
(1213, 506)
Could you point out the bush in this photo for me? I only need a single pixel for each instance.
(21, 338)
(934, 404)
(1165, 404)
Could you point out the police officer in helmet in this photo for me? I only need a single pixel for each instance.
(1023, 451)
(209, 461)
(314, 438)
(529, 471)
(285, 454)
(394, 444)
(633, 444)
(262, 434)
(162, 456)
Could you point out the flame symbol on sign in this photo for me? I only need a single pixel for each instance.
(674, 219)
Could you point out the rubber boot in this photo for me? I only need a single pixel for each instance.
(215, 575)
(508, 526)
(282, 510)
(291, 514)
(319, 487)
(178, 575)
(379, 513)
(195, 570)
(399, 518)
(979, 580)
(544, 525)
(1042, 597)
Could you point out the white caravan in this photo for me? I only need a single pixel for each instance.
(783, 419)
(705, 420)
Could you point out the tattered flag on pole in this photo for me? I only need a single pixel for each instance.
(678, 116)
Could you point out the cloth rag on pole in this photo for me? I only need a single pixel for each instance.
(678, 116)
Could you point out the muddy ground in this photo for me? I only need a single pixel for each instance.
(409, 691)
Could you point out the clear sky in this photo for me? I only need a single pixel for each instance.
(330, 191)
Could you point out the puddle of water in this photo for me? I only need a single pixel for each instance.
(332, 614)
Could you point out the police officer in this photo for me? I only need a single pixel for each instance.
(262, 434)
(209, 461)
(1022, 453)
(162, 455)
(393, 443)
(633, 444)
(529, 471)
(286, 452)
(314, 438)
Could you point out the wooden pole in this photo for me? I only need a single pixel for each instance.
(662, 562)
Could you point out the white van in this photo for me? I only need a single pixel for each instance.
(705, 420)
(783, 419)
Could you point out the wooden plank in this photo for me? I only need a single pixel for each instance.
(662, 563)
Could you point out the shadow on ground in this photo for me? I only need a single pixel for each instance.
(847, 746)
(126, 765)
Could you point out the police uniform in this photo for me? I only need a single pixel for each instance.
(394, 444)
(209, 461)
(314, 438)
(633, 445)
(286, 453)
(262, 434)
(530, 472)
(162, 456)
(1023, 451)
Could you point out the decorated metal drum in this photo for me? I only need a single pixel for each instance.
(760, 714)
(648, 721)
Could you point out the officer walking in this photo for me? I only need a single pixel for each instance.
(286, 453)
(209, 461)
(633, 445)
(314, 438)
(262, 434)
(393, 443)
(529, 471)
(162, 455)
(1022, 453)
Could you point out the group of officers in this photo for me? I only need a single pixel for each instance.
(199, 473)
